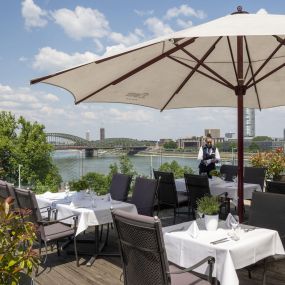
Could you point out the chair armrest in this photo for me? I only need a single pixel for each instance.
(209, 259)
(75, 218)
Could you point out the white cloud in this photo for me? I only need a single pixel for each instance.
(262, 11)
(111, 50)
(157, 27)
(184, 24)
(143, 13)
(51, 97)
(34, 16)
(82, 22)
(49, 59)
(184, 10)
(23, 59)
(131, 115)
(98, 45)
(5, 89)
(130, 39)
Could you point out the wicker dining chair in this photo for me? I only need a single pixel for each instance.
(168, 195)
(197, 187)
(120, 186)
(268, 211)
(144, 256)
(144, 195)
(48, 231)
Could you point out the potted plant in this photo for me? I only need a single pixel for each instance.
(209, 206)
(17, 257)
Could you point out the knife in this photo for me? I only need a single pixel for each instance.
(219, 240)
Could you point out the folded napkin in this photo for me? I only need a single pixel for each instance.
(193, 230)
(230, 221)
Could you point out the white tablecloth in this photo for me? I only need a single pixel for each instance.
(218, 186)
(87, 216)
(253, 246)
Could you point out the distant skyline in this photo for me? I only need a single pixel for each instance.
(44, 36)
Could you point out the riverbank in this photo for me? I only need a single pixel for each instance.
(226, 156)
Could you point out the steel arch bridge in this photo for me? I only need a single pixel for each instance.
(62, 141)
(67, 140)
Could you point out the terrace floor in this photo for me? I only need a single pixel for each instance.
(107, 270)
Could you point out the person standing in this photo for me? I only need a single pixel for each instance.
(208, 155)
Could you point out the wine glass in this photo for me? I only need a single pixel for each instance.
(223, 176)
(66, 190)
(234, 222)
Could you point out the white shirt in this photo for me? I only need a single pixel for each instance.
(200, 154)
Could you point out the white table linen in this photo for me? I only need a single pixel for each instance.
(218, 186)
(185, 251)
(87, 216)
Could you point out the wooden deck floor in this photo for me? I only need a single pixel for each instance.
(62, 270)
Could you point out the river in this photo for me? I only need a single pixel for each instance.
(72, 164)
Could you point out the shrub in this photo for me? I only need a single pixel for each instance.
(176, 169)
(273, 161)
(16, 242)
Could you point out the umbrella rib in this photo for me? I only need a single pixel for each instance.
(139, 68)
(266, 75)
(232, 56)
(207, 67)
(251, 69)
(199, 71)
(199, 63)
(265, 62)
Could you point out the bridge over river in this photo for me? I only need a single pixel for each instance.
(62, 141)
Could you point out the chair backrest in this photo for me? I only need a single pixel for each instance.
(255, 175)
(4, 190)
(197, 187)
(276, 187)
(26, 200)
(120, 186)
(229, 171)
(142, 249)
(167, 193)
(144, 195)
(268, 211)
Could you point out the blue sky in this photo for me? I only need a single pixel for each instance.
(44, 36)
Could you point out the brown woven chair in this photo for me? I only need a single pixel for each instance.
(268, 211)
(144, 195)
(229, 171)
(255, 175)
(47, 230)
(120, 186)
(197, 187)
(276, 187)
(144, 257)
(168, 195)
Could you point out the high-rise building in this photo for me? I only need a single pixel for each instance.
(102, 134)
(215, 133)
(249, 122)
(87, 135)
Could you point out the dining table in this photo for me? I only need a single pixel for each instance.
(92, 211)
(219, 186)
(232, 249)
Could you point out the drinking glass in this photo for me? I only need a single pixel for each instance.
(235, 227)
(223, 176)
(93, 198)
(66, 190)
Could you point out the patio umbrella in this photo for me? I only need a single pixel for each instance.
(233, 61)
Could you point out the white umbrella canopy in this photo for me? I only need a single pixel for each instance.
(234, 61)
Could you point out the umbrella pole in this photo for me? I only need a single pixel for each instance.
(240, 92)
